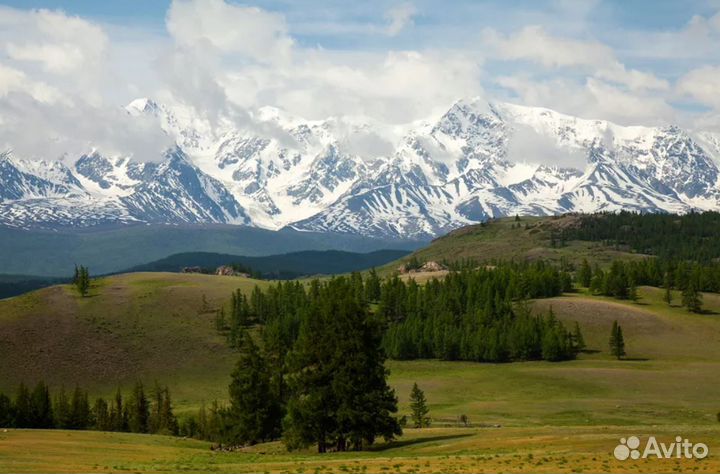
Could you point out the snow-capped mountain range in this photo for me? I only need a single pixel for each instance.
(354, 175)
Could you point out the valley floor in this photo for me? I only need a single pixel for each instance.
(529, 416)
(459, 450)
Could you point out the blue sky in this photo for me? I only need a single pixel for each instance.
(395, 61)
(608, 17)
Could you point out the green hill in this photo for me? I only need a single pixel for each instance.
(154, 326)
(539, 416)
(599, 238)
(143, 326)
(285, 266)
(531, 238)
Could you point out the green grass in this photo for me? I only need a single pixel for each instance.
(152, 327)
(141, 326)
(542, 449)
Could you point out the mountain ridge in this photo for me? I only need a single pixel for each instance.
(352, 175)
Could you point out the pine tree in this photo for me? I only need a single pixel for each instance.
(81, 280)
(101, 415)
(372, 286)
(23, 416)
(338, 385)
(155, 419)
(254, 414)
(80, 416)
(668, 289)
(418, 408)
(6, 412)
(169, 423)
(118, 413)
(220, 319)
(617, 342)
(41, 414)
(585, 274)
(577, 339)
(61, 410)
(691, 298)
(632, 290)
(138, 410)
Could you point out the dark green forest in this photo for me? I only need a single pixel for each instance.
(140, 412)
(688, 237)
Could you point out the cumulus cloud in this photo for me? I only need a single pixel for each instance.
(63, 79)
(534, 44)
(14, 81)
(51, 103)
(703, 85)
(217, 60)
(61, 44)
(38, 130)
(590, 99)
(251, 32)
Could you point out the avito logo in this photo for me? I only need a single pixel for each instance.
(682, 448)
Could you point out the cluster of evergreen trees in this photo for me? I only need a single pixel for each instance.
(38, 408)
(687, 237)
(478, 315)
(623, 277)
(81, 280)
(473, 314)
(320, 376)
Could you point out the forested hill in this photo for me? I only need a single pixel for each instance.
(693, 236)
(600, 238)
(285, 266)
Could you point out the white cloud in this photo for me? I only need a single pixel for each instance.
(63, 79)
(209, 68)
(249, 31)
(703, 85)
(14, 81)
(61, 44)
(400, 16)
(534, 44)
(394, 87)
(591, 99)
(52, 84)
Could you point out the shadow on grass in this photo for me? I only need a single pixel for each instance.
(635, 359)
(410, 442)
(708, 312)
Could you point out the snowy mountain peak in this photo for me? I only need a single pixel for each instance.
(143, 106)
(476, 161)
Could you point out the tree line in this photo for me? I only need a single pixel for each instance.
(621, 279)
(139, 412)
(687, 237)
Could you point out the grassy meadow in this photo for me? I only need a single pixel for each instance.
(529, 416)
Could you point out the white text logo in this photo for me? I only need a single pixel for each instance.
(682, 448)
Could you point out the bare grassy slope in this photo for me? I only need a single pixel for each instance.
(141, 326)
